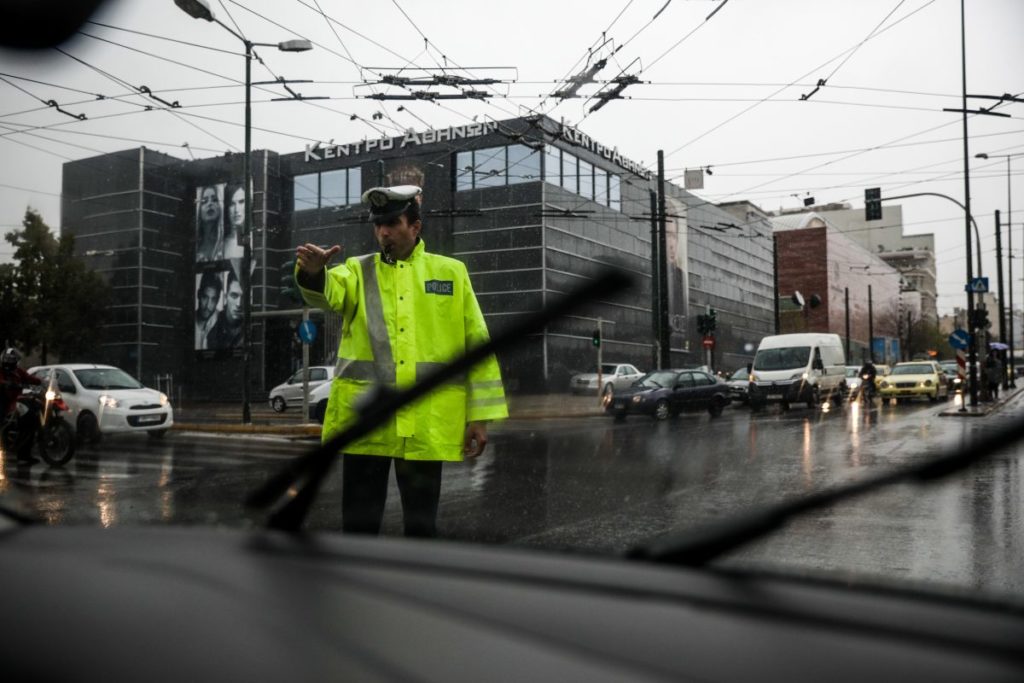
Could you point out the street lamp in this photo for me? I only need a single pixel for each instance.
(1009, 247)
(198, 9)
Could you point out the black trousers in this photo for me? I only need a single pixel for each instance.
(364, 490)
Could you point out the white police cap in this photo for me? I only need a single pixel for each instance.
(387, 203)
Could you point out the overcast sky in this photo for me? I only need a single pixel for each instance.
(723, 92)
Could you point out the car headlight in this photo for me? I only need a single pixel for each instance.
(163, 399)
(799, 375)
(754, 378)
(883, 384)
(927, 383)
(637, 398)
(108, 401)
(50, 394)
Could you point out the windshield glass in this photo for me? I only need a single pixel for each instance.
(917, 369)
(106, 378)
(790, 358)
(657, 380)
(155, 225)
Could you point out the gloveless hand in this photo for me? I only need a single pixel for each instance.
(312, 258)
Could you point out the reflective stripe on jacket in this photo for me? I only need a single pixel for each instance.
(400, 323)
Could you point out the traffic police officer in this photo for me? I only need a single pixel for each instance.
(405, 312)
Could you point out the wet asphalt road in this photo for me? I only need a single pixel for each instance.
(595, 486)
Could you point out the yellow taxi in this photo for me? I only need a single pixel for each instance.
(916, 378)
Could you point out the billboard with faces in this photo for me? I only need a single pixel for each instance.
(219, 223)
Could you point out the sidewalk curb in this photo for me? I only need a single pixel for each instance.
(985, 410)
(222, 428)
(314, 429)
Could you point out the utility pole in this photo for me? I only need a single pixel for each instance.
(655, 286)
(999, 279)
(847, 295)
(665, 339)
(871, 326)
(972, 358)
(775, 281)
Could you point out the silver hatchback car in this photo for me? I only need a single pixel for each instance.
(289, 392)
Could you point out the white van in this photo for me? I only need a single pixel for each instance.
(797, 368)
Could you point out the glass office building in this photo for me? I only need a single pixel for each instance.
(532, 207)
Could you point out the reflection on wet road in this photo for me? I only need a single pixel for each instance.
(596, 486)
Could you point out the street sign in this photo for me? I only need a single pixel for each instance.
(708, 342)
(959, 339)
(978, 285)
(307, 331)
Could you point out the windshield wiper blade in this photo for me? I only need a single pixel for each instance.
(308, 471)
(696, 547)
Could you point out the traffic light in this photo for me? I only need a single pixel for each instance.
(595, 338)
(981, 321)
(712, 319)
(289, 289)
(873, 204)
(702, 324)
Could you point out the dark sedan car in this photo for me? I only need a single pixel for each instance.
(665, 393)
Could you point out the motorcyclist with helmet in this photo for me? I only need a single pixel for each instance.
(12, 380)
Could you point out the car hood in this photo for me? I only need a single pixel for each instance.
(907, 378)
(131, 397)
(637, 391)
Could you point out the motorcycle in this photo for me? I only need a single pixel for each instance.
(53, 436)
(867, 389)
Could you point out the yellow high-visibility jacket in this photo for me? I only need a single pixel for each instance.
(399, 323)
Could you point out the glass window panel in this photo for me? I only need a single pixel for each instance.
(569, 180)
(523, 164)
(490, 167)
(553, 165)
(586, 179)
(601, 186)
(334, 188)
(463, 171)
(355, 185)
(307, 191)
(614, 197)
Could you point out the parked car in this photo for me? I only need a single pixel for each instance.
(614, 377)
(665, 393)
(289, 392)
(318, 402)
(103, 399)
(739, 385)
(914, 378)
(853, 378)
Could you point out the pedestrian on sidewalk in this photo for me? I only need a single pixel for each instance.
(993, 375)
(406, 311)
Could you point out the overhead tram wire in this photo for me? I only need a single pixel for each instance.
(351, 58)
(458, 67)
(372, 125)
(822, 82)
(122, 82)
(167, 38)
(617, 49)
(223, 77)
(848, 151)
(796, 80)
(589, 54)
